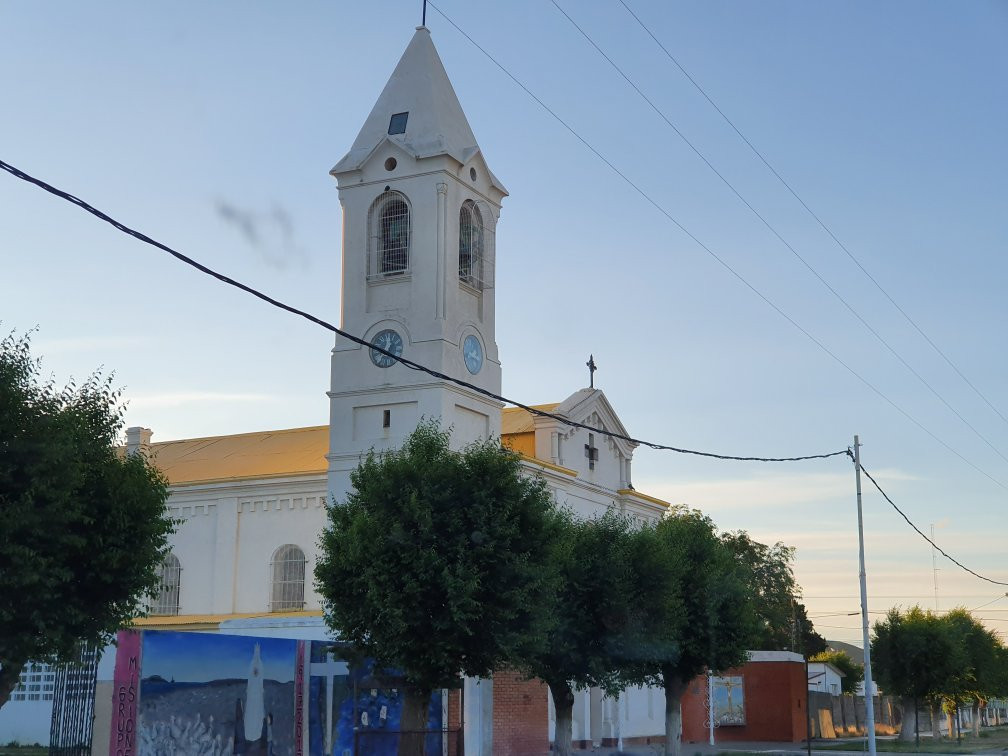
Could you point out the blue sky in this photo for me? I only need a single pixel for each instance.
(887, 119)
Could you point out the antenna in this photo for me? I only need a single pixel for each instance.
(934, 566)
(423, 18)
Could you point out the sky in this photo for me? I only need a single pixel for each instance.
(212, 128)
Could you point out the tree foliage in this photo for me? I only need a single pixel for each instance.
(715, 620)
(597, 614)
(83, 528)
(913, 654)
(853, 672)
(439, 562)
(782, 622)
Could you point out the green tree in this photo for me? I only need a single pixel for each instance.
(83, 528)
(782, 622)
(711, 626)
(914, 655)
(608, 570)
(977, 678)
(853, 672)
(438, 563)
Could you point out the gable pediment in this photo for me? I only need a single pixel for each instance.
(590, 407)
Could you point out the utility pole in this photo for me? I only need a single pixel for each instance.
(869, 697)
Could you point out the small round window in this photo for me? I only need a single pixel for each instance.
(390, 164)
(472, 173)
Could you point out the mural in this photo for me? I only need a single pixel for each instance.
(216, 694)
(729, 701)
(187, 693)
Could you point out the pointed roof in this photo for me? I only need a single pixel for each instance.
(436, 124)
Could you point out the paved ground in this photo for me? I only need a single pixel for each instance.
(857, 747)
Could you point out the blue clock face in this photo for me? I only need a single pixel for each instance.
(472, 352)
(390, 341)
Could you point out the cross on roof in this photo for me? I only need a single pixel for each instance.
(591, 370)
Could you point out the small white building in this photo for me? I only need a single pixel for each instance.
(824, 678)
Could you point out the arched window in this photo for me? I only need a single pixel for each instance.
(470, 244)
(167, 601)
(390, 234)
(288, 575)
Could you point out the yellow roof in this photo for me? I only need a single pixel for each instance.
(206, 621)
(517, 420)
(276, 453)
(298, 451)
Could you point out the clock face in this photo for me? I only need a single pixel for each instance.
(472, 352)
(390, 341)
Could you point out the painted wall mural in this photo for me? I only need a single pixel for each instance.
(188, 693)
(729, 701)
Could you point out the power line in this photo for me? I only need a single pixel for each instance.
(921, 533)
(721, 261)
(814, 215)
(661, 114)
(356, 339)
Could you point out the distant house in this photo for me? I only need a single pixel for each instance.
(823, 677)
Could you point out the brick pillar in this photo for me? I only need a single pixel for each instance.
(520, 715)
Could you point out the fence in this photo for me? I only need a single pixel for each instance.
(73, 705)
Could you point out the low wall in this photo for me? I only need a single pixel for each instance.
(841, 716)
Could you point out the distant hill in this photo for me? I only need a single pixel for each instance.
(854, 652)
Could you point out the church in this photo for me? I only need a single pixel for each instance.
(420, 209)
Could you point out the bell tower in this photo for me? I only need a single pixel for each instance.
(420, 208)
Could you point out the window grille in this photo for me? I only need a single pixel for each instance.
(390, 235)
(167, 601)
(288, 574)
(471, 238)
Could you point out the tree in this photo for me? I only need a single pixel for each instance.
(84, 528)
(913, 656)
(977, 678)
(608, 570)
(714, 621)
(782, 622)
(853, 672)
(438, 564)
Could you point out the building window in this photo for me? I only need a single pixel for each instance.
(288, 572)
(167, 600)
(471, 244)
(389, 221)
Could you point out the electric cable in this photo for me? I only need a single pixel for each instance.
(921, 533)
(881, 339)
(357, 340)
(721, 261)
(812, 213)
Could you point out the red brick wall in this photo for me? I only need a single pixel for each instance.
(774, 705)
(520, 715)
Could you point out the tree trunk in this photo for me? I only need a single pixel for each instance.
(935, 710)
(674, 689)
(10, 673)
(413, 722)
(563, 705)
(906, 733)
(975, 709)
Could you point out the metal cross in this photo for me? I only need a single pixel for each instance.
(423, 22)
(591, 371)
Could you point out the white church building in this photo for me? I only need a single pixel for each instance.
(420, 209)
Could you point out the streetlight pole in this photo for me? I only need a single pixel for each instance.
(869, 697)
